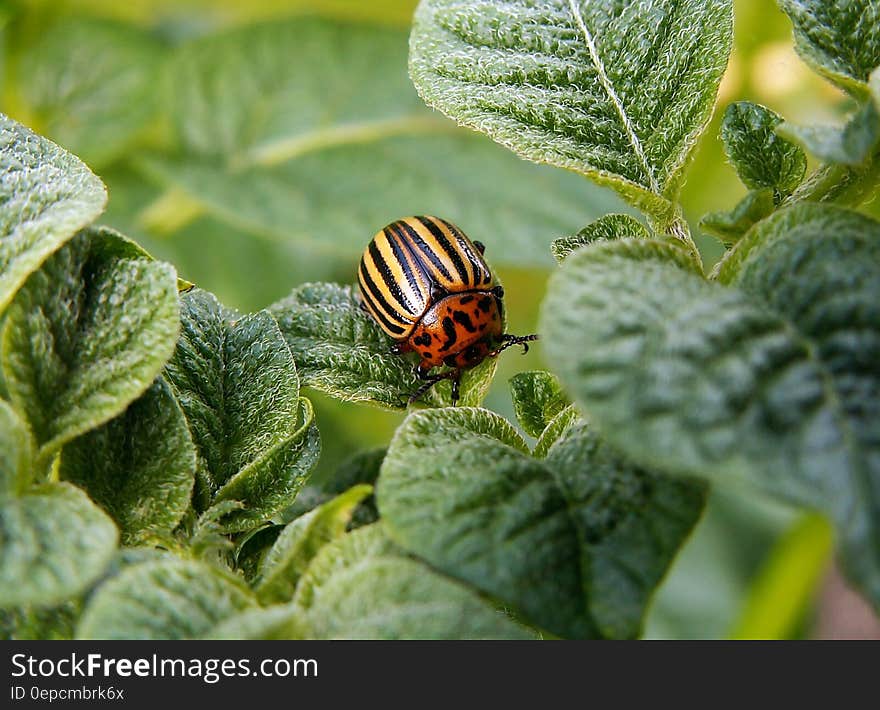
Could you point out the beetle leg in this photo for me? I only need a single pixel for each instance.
(498, 292)
(422, 373)
(509, 340)
(399, 348)
(456, 383)
(480, 247)
(431, 380)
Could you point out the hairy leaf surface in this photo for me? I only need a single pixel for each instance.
(140, 466)
(774, 382)
(86, 335)
(364, 587)
(838, 38)
(576, 541)
(46, 196)
(237, 383)
(54, 543)
(616, 92)
(171, 599)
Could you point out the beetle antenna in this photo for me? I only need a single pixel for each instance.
(510, 340)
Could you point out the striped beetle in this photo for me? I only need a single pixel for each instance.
(428, 287)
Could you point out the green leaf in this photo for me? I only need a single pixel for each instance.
(173, 599)
(280, 124)
(140, 466)
(580, 85)
(86, 335)
(359, 468)
(774, 383)
(853, 144)
(340, 350)
(39, 623)
(276, 623)
(363, 587)
(237, 383)
(46, 195)
(54, 543)
(611, 226)
(301, 540)
(762, 158)
(16, 453)
(730, 226)
(537, 399)
(603, 530)
(838, 38)
(555, 430)
(92, 86)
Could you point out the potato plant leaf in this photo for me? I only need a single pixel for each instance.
(280, 124)
(601, 529)
(730, 226)
(93, 86)
(537, 399)
(139, 466)
(838, 38)
(340, 350)
(774, 382)
(86, 335)
(761, 157)
(169, 599)
(16, 453)
(46, 196)
(359, 468)
(301, 540)
(54, 543)
(364, 587)
(618, 92)
(611, 226)
(238, 385)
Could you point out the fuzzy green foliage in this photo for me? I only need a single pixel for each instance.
(159, 471)
(46, 195)
(71, 358)
(602, 530)
(54, 542)
(237, 383)
(580, 85)
(839, 38)
(772, 382)
(611, 226)
(140, 466)
(271, 148)
(762, 158)
(365, 587)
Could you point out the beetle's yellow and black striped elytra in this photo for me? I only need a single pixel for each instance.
(428, 287)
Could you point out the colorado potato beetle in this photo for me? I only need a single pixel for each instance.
(428, 287)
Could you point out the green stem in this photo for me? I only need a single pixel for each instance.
(842, 184)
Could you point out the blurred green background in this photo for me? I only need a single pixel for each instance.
(259, 145)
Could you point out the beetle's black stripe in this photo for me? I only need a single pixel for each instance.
(424, 250)
(400, 254)
(391, 286)
(447, 247)
(473, 254)
(384, 312)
